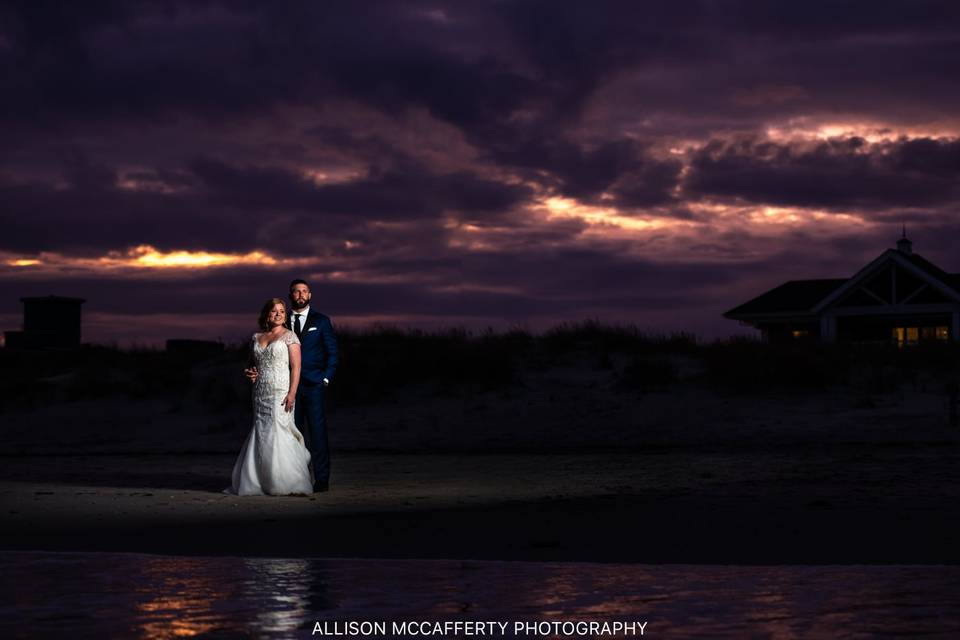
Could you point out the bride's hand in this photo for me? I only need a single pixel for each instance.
(288, 402)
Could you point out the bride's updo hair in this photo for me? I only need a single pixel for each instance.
(265, 311)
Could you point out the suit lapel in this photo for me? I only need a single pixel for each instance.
(312, 318)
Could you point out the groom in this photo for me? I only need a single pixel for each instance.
(318, 348)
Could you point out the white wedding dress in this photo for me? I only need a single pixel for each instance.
(274, 458)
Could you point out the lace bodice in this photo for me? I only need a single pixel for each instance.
(273, 360)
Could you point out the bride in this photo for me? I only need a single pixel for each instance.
(273, 459)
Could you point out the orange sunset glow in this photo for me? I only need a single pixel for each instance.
(145, 257)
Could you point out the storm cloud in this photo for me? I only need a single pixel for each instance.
(515, 162)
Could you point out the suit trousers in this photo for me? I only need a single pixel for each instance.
(310, 416)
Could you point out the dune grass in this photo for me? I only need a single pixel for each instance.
(380, 365)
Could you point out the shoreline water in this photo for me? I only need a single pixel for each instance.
(137, 595)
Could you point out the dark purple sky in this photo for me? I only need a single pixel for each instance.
(466, 163)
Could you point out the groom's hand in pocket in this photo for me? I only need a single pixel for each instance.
(251, 374)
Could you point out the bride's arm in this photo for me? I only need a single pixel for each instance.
(294, 350)
(251, 371)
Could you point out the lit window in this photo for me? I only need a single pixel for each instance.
(800, 333)
(943, 333)
(906, 335)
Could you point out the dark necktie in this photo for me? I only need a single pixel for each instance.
(296, 324)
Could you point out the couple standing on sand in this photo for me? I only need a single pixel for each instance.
(292, 361)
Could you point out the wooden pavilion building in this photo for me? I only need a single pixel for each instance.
(899, 297)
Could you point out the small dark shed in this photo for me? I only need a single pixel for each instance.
(49, 322)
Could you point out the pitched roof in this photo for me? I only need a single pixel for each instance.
(795, 295)
(929, 267)
(800, 296)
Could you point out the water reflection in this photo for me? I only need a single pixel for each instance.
(283, 586)
(175, 597)
(157, 597)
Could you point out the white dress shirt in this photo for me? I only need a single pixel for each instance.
(303, 313)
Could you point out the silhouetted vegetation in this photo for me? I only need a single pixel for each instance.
(376, 365)
(32, 379)
(749, 366)
(379, 366)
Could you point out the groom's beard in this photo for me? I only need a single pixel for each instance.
(299, 305)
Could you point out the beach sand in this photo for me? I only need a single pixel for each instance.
(565, 466)
(836, 504)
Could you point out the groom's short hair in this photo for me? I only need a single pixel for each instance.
(294, 283)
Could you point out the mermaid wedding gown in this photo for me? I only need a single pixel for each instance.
(273, 459)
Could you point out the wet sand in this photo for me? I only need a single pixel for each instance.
(839, 504)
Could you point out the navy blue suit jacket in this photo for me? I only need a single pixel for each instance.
(318, 348)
